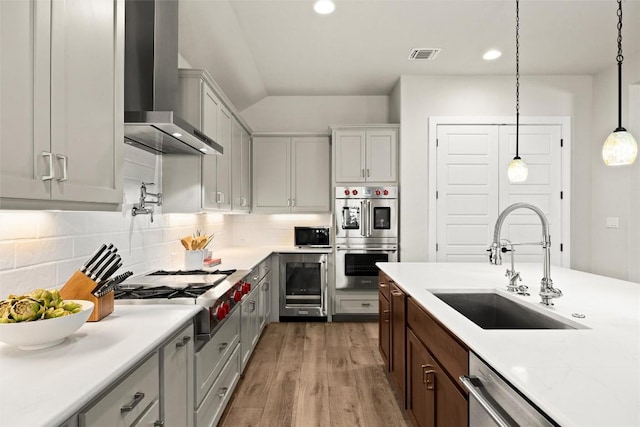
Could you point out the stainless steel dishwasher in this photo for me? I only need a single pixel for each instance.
(494, 402)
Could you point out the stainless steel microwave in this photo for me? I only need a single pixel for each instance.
(316, 237)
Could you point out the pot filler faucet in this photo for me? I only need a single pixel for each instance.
(547, 291)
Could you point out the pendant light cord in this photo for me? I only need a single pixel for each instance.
(518, 75)
(620, 58)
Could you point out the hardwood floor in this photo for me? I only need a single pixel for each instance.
(315, 374)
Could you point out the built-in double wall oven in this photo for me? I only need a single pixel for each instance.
(366, 233)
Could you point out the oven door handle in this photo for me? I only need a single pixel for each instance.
(368, 249)
(370, 220)
(495, 415)
(363, 218)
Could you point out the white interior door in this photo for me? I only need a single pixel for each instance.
(473, 189)
(467, 203)
(539, 147)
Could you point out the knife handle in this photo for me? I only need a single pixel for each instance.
(93, 258)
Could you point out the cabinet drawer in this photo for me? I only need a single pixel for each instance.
(212, 357)
(383, 284)
(209, 413)
(130, 399)
(356, 306)
(450, 353)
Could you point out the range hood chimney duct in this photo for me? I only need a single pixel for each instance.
(151, 82)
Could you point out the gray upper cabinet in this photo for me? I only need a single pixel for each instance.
(366, 154)
(61, 122)
(291, 174)
(206, 183)
(223, 163)
(241, 169)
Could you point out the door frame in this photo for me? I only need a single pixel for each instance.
(565, 124)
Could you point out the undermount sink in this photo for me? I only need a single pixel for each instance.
(490, 310)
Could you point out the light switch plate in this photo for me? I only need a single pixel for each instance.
(612, 222)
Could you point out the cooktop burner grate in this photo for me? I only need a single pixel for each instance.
(189, 272)
(167, 292)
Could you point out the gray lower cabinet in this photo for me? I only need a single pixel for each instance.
(134, 398)
(176, 379)
(359, 302)
(211, 358)
(249, 329)
(210, 411)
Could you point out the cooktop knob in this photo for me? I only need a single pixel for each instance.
(346, 192)
(355, 192)
(377, 192)
(385, 192)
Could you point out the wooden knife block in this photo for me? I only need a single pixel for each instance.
(79, 286)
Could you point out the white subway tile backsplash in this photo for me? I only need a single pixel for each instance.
(59, 224)
(7, 256)
(20, 224)
(65, 269)
(24, 280)
(33, 252)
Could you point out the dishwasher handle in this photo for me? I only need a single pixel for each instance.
(468, 382)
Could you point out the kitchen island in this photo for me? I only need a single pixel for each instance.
(579, 377)
(46, 387)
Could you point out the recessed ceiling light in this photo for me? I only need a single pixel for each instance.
(324, 7)
(204, 150)
(177, 134)
(492, 54)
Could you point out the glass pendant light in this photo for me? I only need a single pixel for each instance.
(518, 170)
(620, 148)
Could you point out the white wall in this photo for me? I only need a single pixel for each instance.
(43, 248)
(616, 190)
(272, 230)
(425, 96)
(314, 113)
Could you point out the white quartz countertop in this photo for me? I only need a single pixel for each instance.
(46, 387)
(582, 377)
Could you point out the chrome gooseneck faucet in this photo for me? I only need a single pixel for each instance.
(141, 207)
(547, 291)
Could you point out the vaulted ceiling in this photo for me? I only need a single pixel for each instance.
(258, 48)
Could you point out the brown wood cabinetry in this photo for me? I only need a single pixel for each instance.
(384, 330)
(398, 303)
(432, 398)
(423, 358)
(392, 324)
(384, 319)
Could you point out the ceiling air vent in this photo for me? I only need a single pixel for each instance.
(424, 53)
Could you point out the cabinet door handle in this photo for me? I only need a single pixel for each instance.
(222, 346)
(363, 173)
(293, 202)
(253, 306)
(137, 398)
(218, 197)
(368, 173)
(64, 167)
(387, 312)
(289, 203)
(383, 285)
(428, 377)
(366, 304)
(50, 175)
(223, 392)
(243, 201)
(396, 293)
(158, 424)
(184, 342)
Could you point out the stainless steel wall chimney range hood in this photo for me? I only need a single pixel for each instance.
(151, 82)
